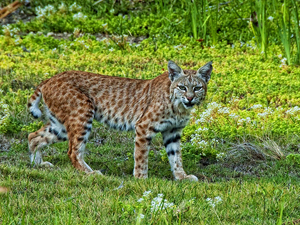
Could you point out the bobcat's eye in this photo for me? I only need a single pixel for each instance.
(197, 88)
(181, 87)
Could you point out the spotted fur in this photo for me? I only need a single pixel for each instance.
(74, 99)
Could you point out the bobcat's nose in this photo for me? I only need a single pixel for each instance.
(189, 98)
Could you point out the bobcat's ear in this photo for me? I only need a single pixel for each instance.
(174, 71)
(205, 71)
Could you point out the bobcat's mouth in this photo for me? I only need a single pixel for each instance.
(189, 104)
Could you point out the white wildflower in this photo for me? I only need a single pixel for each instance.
(220, 156)
(283, 61)
(160, 195)
(257, 106)
(224, 110)
(270, 18)
(74, 7)
(158, 204)
(140, 200)
(243, 121)
(178, 47)
(218, 199)
(9, 31)
(62, 8)
(234, 116)
(104, 25)
(213, 202)
(111, 49)
(45, 12)
(202, 129)
(79, 16)
(146, 193)
(280, 56)
(293, 110)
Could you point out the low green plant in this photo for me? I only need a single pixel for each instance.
(293, 159)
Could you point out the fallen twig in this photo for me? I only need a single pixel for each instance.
(9, 9)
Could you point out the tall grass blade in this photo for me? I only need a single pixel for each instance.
(296, 19)
(285, 32)
(262, 25)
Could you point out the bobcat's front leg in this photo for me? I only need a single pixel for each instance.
(172, 144)
(141, 151)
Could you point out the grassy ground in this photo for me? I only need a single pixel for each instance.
(264, 192)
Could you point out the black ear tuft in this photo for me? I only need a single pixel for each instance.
(174, 71)
(205, 71)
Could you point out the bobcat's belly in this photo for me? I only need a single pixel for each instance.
(115, 122)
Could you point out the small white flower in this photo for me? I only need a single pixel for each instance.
(214, 202)
(234, 116)
(220, 156)
(104, 25)
(74, 7)
(224, 110)
(283, 61)
(270, 18)
(140, 200)
(146, 193)
(293, 111)
(62, 7)
(111, 49)
(218, 199)
(257, 106)
(202, 129)
(280, 56)
(79, 16)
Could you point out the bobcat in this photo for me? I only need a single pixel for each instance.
(73, 99)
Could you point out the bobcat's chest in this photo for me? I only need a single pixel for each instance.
(172, 123)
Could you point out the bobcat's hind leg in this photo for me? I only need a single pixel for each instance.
(79, 128)
(47, 135)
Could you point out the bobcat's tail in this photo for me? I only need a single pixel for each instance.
(33, 102)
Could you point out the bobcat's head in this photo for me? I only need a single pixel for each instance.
(188, 87)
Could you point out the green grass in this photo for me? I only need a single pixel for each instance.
(62, 195)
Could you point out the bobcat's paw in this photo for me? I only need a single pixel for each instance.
(191, 178)
(97, 172)
(47, 164)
